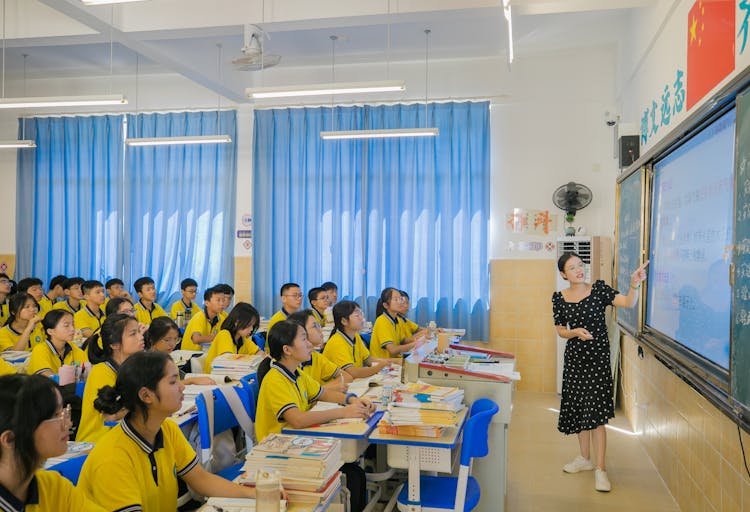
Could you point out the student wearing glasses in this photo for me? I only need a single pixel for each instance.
(163, 336)
(34, 426)
(291, 301)
(5, 286)
(235, 336)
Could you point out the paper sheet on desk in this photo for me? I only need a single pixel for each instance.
(234, 505)
(504, 369)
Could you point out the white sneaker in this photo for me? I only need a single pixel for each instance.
(578, 464)
(601, 481)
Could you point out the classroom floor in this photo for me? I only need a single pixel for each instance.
(537, 452)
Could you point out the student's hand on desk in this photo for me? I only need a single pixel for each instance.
(366, 403)
(356, 409)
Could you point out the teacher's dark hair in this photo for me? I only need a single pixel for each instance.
(564, 259)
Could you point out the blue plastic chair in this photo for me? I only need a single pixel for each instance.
(459, 494)
(250, 383)
(366, 337)
(224, 419)
(71, 468)
(260, 339)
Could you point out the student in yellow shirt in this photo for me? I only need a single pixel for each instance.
(163, 335)
(119, 338)
(34, 427)
(136, 465)
(115, 289)
(227, 293)
(146, 309)
(409, 329)
(23, 330)
(386, 340)
(73, 295)
(286, 394)
(90, 317)
(34, 287)
(119, 305)
(332, 291)
(4, 293)
(318, 298)
(54, 293)
(319, 367)
(291, 301)
(205, 324)
(186, 305)
(235, 334)
(58, 348)
(345, 347)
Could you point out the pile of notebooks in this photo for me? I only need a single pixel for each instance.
(309, 466)
(235, 366)
(422, 410)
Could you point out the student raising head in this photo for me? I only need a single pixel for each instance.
(408, 329)
(387, 339)
(73, 295)
(119, 305)
(146, 309)
(34, 427)
(186, 305)
(34, 287)
(286, 395)
(23, 330)
(235, 334)
(5, 287)
(58, 349)
(144, 454)
(163, 335)
(89, 318)
(291, 301)
(318, 298)
(120, 337)
(54, 293)
(319, 367)
(204, 325)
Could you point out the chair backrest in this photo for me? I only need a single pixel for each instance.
(475, 443)
(250, 383)
(223, 417)
(260, 339)
(366, 337)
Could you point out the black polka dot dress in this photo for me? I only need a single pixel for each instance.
(587, 378)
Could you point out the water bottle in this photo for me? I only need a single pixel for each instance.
(386, 395)
(180, 320)
(432, 326)
(267, 491)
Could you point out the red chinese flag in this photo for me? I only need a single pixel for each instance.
(710, 46)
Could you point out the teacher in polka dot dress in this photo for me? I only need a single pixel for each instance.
(586, 405)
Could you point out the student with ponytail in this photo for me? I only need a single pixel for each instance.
(22, 331)
(163, 335)
(134, 467)
(387, 338)
(34, 427)
(119, 338)
(58, 348)
(235, 334)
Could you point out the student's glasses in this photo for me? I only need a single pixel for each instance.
(171, 341)
(293, 295)
(64, 416)
(4, 281)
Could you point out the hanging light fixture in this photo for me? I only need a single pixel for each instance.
(509, 22)
(291, 91)
(24, 142)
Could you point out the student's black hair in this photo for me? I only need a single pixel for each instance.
(385, 296)
(13, 287)
(243, 315)
(16, 302)
(562, 260)
(57, 281)
(52, 318)
(329, 285)
(114, 304)
(224, 288)
(115, 280)
(341, 310)
(90, 285)
(25, 402)
(188, 282)
(141, 282)
(144, 369)
(210, 292)
(159, 328)
(27, 282)
(281, 334)
(109, 334)
(403, 294)
(6, 276)
(313, 293)
(287, 286)
(71, 282)
(300, 317)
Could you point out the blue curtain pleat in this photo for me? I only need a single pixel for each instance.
(411, 213)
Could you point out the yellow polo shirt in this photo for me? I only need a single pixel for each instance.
(406, 328)
(86, 319)
(124, 472)
(49, 491)
(4, 312)
(45, 357)
(384, 332)
(9, 337)
(45, 305)
(345, 352)
(92, 426)
(280, 391)
(201, 325)
(277, 317)
(179, 307)
(6, 368)
(145, 316)
(319, 368)
(64, 304)
(321, 319)
(223, 344)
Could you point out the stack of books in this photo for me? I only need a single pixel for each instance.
(417, 395)
(422, 410)
(309, 466)
(235, 366)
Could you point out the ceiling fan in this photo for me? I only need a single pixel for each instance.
(253, 58)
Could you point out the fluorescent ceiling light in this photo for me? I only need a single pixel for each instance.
(12, 144)
(63, 101)
(167, 141)
(105, 2)
(380, 134)
(291, 91)
(509, 19)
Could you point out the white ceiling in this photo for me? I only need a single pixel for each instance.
(63, 38)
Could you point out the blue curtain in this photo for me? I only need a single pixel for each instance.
(411, 213)
(68, 197)
(181, 202)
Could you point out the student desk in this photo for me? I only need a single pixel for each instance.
(418, 449)
(353, 435)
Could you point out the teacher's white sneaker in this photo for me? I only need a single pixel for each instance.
(578, 464)
(601, 481)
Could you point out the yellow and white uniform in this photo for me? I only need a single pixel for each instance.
(4, 312)
(384, 333)
(124, 472)
(406, 327)
(49, 491)
(202, 325)
(223, 344)
(179, 307)
(277, 317)
(144, 315)
(45, 305)
(345, 352)
(280, 391)
(9, 337)
(44, 357)
(92, 426)
(6, 368)
(86, 319)
(64, 304)
(319, 368)
(319, 317)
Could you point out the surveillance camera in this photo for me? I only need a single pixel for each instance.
(611, 117)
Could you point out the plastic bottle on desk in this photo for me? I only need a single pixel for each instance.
(267, 491)
(180, 321)
(432, 326)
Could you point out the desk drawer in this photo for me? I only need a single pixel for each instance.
(431, 459)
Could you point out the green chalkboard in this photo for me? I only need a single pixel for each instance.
(739, 372)
(629, 243)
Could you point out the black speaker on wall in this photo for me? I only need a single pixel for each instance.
(630, 150)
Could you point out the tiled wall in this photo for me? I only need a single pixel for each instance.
(243, 278)
(694, 446)
(521, 319)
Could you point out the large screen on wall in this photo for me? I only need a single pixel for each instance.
(691, 235)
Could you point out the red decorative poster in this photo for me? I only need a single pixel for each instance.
(710, 46)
